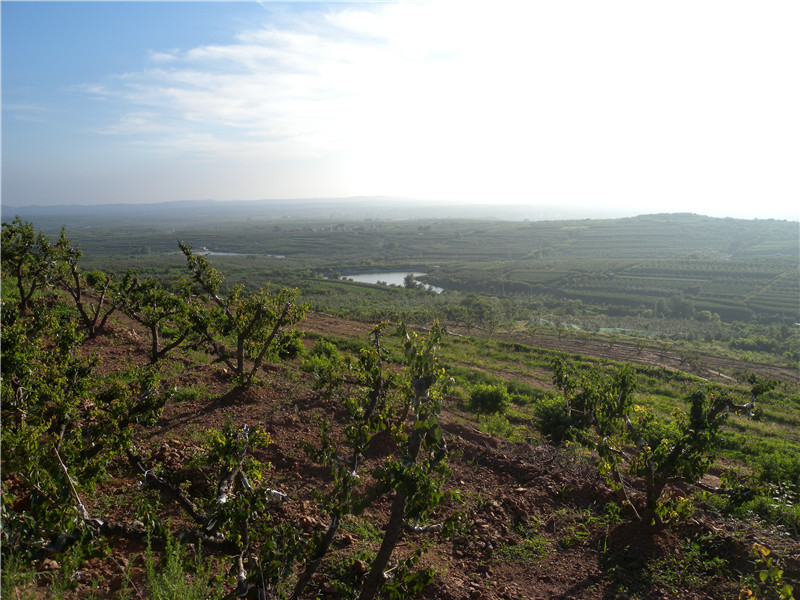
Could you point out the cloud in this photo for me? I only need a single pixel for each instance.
(535, 100)
(135, 123)
(29, 113)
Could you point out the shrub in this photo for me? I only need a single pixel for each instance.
(553, 420)
(777, 467)
(489, 399)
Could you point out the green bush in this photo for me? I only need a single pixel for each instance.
(553, 421)
(489, 399)
(778, 468)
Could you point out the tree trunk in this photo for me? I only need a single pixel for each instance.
(394, 529)
(240, 355)
(154, 343)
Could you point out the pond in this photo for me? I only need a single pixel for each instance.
(389, 278)
(208, 252)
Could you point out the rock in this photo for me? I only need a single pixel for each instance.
(360, 566)
(48, 564)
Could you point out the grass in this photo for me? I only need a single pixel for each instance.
(166, 578)
(699, 561)
(530, 547)
(363, 528)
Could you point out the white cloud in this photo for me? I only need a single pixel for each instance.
(29, 113)
(608, 102)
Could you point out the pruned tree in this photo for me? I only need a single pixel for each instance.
(95, 309)
(416, 475)
(404, 405)
(58, 438)
(31, 258)
(259, 324)
(602, 413)
(163, 312)
(366, 407)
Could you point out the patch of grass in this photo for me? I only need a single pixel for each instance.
(189, 394)
(499, 425)
(19, 578)
(698, 561)
(530, 548)
(178, 575)
(363, 528)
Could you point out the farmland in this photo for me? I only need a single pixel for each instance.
(658, 277)
(684, 305)
(679, 264)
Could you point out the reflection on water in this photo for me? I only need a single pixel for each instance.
(390, 278)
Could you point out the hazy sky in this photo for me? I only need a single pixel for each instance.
(679, 106)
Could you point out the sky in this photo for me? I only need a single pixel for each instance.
(639, 106)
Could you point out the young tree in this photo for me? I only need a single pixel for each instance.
(405, 405)
(416, 475)
(61, 426)
(94, 312)
(368, 414)
(31, 258)
(165, 313)
(600, 408)
(260, 323)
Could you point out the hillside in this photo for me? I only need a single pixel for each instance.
(211, 441)
(539, 521)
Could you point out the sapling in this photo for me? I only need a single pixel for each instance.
(94, 309)
(259, 322)
(601, 409)
(416, 474)
(163, 312)
(367, 414)
(31, 258)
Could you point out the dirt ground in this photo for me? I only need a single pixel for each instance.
(508, 490)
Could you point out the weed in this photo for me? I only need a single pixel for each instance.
(697, 562)
(189, 394)
(363, 528)
(531, 546)
(498, 425)
(180, 576)
(770, 577)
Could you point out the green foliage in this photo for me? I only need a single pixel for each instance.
(380, 403)
(489, 399)
(180, 576)
(499, 425)
(345, 572)
(260, 323)
(406, 581)
(600, 406)
(95, 294)
(530, 547)
(778, 468)
(770, 583)
(57, 440)
(693, 566)
(165, 313)
(325, 364)
(31, 258)
(553, 420)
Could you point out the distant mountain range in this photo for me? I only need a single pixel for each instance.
(182, 213)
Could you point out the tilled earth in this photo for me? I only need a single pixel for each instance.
(535, 518)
